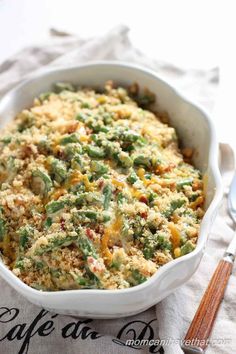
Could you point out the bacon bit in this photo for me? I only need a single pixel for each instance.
(3, 177)
(100, 183)
(172, 186)
(88, 130)
(60, 153)
(143, 199)
(99, 229)
(162, 168)
(90, 260)
(62, 223)
(29, 150)
(89, 233)
(20, 201)
(72, 127)
(144, 215)
(95, 265)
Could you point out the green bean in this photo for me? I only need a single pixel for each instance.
(120, 198)
(152, 196)
(132, 178)
(124, 159)
(92, 276)
(184, 182)
(94, 151)
(20, 264)
(48, 223)
(70, 138)
(187, 248)
(40, 287)
(112, 150)
(105, 217)
(5, 140)
(175, 204)
(63, 86)
(98, 168)
(84, 282)
(142, 160)
(130, 136)
(54, 207)
(148, 251)
(148, 176)
(2, 229)
(44, 96)
(25, 234)
(41, 182)
(142, 141)
(137, 277)
(116, 265)
(39, 264)
(163, 242)
(81, 117)
(85, 105)
(54, 243)
(72, 151)
(85, 216)
(149, 245)
(155, 242)
(9, 166)
(97, 127)
(77, 188)
(99, 139)
(44, 146)
(58, 169)
(107, 193)
(86, 246)
(77, 163)
(193, 197)
(27, 121)
(107, 118)
(87, 198)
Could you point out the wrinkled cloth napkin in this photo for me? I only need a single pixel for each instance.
(26, 328)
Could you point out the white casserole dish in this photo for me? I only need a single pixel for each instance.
(193, 127)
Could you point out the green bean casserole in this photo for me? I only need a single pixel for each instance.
(94, 190)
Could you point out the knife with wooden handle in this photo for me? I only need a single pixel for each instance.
(197, 337)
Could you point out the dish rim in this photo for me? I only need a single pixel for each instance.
(212, 166)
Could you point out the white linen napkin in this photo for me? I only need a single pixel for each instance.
(25, 328)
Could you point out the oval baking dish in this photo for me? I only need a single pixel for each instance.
(193, 127)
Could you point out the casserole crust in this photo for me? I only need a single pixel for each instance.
(95, 192)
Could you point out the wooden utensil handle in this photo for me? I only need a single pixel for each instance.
(201, 326)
